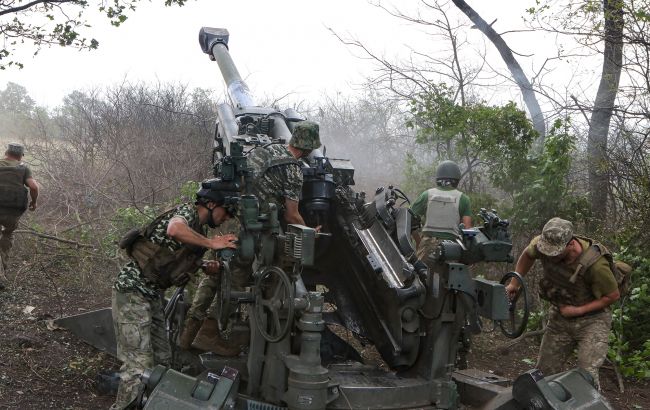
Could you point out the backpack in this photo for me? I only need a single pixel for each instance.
(621, 270)
(13, 193)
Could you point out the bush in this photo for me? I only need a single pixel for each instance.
(629, 346)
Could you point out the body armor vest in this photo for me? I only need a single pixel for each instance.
(565, 284)
(159, 264)
(13, 192)
(443, 211)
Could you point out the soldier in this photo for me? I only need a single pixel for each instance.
(163, 254)
(579, 316)
(15, 176)
(278, 180)
(441, 210)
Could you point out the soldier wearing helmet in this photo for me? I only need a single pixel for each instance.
(278, 180)
(441, 209)
(163, 253)
(15, 182)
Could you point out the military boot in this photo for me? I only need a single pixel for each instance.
(209, 340)
(189, 332)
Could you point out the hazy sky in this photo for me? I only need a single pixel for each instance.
(280, 47)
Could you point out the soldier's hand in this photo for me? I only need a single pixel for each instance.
(223, 241)
(571, 311)
(511, 289)
(32, 206)
(211, 267)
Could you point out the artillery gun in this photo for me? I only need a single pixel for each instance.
(359, 274)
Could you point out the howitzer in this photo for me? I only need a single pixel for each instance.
(361, 276)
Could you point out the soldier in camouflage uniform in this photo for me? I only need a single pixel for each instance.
(441, 209)
(15, 176)
(163, 254)
(278, 180)
(579, 316)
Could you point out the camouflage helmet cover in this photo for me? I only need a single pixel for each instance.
(448, 170)
(556, 235)
(305, 135)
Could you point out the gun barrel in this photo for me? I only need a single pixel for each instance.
(214, 42)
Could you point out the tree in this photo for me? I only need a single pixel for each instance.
(17, 111)
(494, 139)
(604, 107)
(530, 99)
(598, 26)
(50, 22)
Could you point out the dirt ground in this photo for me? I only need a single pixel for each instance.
(44, 367)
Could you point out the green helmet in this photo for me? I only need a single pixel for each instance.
(305, 135)
(448, 170)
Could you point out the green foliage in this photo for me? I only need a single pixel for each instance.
(536, 317)
(629, 346)
(122, 221)
(418, 177)
(188, 191)
(61, 22)
(497, 137)
(131, 217)
(544, 188)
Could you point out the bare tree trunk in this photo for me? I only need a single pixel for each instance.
(530, 99)
(603, 108)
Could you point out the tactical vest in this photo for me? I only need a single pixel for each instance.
(261, 160)
(443, 211)
(159, 264)
(566, 285)
(13, 192)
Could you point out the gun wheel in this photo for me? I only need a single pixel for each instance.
(274, 294)
(518, 308)
(225, 302)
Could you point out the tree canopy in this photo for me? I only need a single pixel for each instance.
(40, 23)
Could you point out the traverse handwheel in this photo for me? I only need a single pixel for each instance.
(518, 308)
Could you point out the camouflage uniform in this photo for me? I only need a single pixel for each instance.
(562, 285)
(588, 335)
(273, 186)
(138, 315)
(9, 217)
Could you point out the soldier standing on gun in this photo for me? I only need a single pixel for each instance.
(441, 209)
(279, 181)
(15, 180)
(163, 254)
(579, 316)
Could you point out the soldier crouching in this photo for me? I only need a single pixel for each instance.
(163, 254)
(580, 283)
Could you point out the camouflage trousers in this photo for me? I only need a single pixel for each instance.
(427, 245)
(8, 224)
(206, 298)
(141, 341)
(588, 335)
